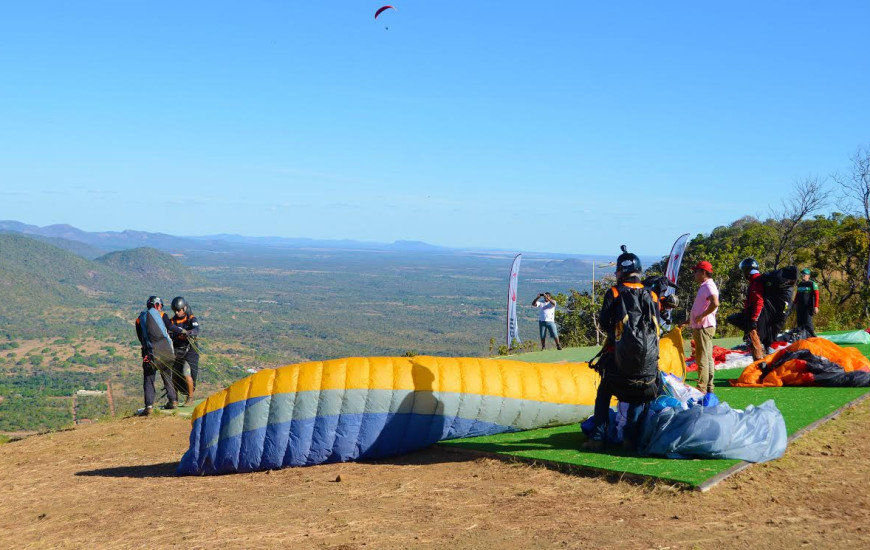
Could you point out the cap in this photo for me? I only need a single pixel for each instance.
(805, 271)
(705, 265)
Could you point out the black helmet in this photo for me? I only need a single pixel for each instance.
(178, 304)
(671, 301)
(747, 265)
(153, 301)
(627, 263)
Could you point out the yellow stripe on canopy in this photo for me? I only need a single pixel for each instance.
(563, 383)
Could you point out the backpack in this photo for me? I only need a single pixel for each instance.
(778, 291)
(636, 332)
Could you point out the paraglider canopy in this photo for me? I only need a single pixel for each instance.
(383, 9)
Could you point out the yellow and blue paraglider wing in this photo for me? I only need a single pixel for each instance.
(368, 408)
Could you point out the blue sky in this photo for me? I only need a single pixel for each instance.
(569, 126)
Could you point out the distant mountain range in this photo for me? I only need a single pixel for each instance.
(91, 245)
(63, 236)
(94, 244)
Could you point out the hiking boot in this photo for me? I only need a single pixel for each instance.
(558, 347)
(145, 412)
(593, 446)
(171, 405)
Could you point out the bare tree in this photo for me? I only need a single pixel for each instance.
(856, 186)
(808, 196)
(855, 183)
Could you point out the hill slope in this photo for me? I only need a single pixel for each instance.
(43, 287)
(149, 266)
(32, 270)
(82, 249)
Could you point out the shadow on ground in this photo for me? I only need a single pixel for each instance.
(164, 469)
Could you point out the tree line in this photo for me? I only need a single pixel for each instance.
(834, 246)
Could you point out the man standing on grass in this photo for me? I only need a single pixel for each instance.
(703, 323)
(806, 302)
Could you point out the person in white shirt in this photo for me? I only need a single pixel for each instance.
(546, 318)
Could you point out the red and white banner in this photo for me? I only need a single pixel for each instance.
(674, 261)
(513, 330)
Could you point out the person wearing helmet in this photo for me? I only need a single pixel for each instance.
(667, 305)
(660, 286)
(670, 302)
(806, 303)
(703, 323)
(753, 304)
(629, 358)
(186, 352)
(150, 365)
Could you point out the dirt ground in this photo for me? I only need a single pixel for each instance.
(111, 485)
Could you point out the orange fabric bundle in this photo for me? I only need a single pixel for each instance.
(793, 372)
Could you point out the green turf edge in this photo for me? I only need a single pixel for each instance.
(801, 408)
(185, 412)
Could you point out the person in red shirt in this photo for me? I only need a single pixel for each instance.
(753, 303)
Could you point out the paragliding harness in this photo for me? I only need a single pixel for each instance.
(636, 335)
(629, 360)
(778, 290)
(156, 344)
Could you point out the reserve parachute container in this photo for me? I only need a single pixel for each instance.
(155, 338)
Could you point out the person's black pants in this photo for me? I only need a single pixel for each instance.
(149, 375)
(805, 323)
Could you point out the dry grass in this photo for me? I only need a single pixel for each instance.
(111, 485)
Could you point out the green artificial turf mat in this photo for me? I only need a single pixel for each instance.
(800, 406)
(562, 445)
(182, 411)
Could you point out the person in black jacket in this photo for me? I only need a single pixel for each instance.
(150, 365)
(806, 301)
(629, 360)
(186, 351)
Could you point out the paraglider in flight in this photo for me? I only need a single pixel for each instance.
(382, 9)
